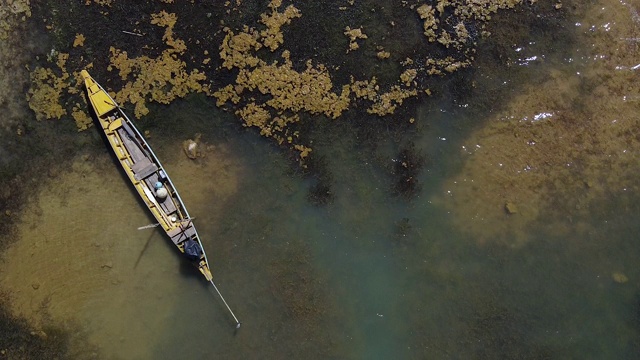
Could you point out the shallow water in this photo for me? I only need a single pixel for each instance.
(445, 274)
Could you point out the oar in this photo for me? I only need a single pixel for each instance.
(225, 303)
(148, 226)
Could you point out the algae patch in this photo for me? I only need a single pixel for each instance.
(259, 77)
(45, 97)
(162, 79)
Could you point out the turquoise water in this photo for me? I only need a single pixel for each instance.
(425, 290)
(437, 293)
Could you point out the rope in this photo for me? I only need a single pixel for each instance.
(225, 303)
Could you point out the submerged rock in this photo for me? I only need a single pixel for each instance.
(191, 147)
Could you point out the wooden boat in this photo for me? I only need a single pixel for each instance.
(149, 178)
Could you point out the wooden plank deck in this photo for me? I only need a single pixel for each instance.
(179, 235)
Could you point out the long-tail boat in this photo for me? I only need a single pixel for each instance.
(149, 178)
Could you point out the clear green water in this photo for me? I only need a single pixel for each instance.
(428, 292)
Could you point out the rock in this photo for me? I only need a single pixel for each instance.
(35, 286)
(510, 208)
(619, 277)
(191, 147)
(108, 265)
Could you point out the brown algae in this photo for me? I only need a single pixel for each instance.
(275, 92)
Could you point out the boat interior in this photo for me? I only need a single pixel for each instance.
(148, 173)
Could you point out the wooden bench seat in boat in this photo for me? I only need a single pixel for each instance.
(179, 235)
(144, 169)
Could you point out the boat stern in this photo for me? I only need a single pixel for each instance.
(204, 269)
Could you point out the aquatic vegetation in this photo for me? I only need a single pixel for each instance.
(313, 90)
(353, 35)
(510, 208)
(79, 40)
(619, 277)
(386, 103)
(291, 91)
(269, 90)
(383, 54)
(49, 90)
(162, 79)
(272, 35)
(44, 97)
(79, 114)
(11, 13)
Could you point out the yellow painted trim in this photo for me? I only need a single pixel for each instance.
(115, 125)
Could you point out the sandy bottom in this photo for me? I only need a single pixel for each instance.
(80, 258)
(560, 147)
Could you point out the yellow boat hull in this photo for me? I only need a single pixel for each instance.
(146, 174)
